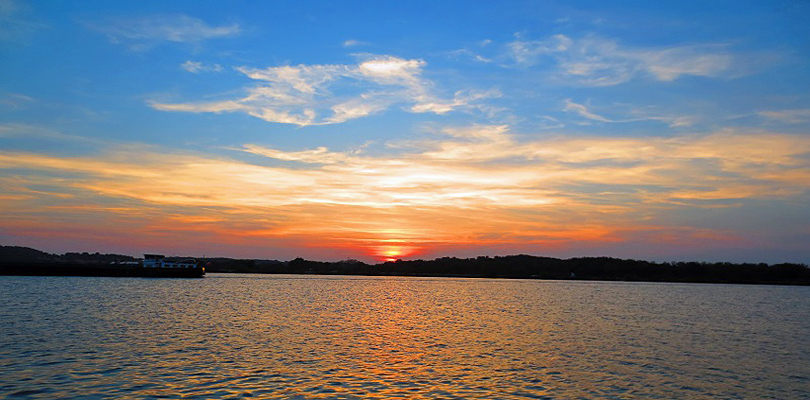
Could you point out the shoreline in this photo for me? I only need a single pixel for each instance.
(86, 270)
(16, 260)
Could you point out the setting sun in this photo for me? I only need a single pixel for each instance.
(393, 253)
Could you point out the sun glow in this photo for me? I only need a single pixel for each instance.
(393, 253)
(432, 200)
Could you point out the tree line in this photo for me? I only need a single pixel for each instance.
(517, 266)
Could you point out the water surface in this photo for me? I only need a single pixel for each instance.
(312, 337)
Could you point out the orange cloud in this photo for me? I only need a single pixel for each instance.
(477, 187)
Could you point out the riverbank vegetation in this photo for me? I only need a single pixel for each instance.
(517, 266)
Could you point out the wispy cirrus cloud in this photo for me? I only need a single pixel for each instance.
(793, 116)
(15, 101)
(583, 111)
(144, 32)
(306, 94)
(196, 67)
(31, 131)
(596, 61)
(354, 43)
(15, 24)
(467, 54)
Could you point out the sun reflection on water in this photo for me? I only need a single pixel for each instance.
(309, 337)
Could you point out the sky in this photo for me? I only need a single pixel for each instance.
(664, 131)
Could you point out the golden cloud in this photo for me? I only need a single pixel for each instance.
(478, 185)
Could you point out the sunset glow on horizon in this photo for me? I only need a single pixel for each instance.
(322, 131)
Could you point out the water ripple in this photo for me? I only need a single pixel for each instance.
(288, 337)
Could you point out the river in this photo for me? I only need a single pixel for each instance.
(335, 337)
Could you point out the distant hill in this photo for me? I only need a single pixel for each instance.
(26, 255)
(15, 254)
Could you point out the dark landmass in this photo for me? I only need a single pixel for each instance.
(520, 266)
(15, 260)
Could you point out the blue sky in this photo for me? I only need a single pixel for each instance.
(673, 130)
